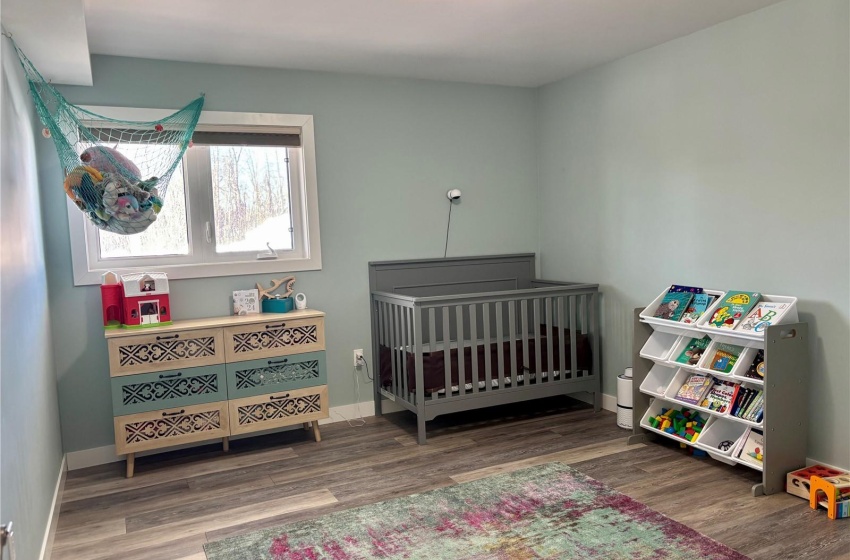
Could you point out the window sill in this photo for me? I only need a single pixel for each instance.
(207, 270)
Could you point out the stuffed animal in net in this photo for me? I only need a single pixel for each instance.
(118, 205)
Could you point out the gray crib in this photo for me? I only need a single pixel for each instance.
(463, 333)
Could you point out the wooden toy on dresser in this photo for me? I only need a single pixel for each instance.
(732, 357)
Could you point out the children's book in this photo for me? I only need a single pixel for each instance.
(693, 351)
(673, 305)
(694, 388)
(724, 358)
(756, 369)
(763, 315)
(697, 307)
(691, 289)
(752, 450)
(732, 308)
(719, 397)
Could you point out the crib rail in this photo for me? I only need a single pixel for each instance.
(489, 342)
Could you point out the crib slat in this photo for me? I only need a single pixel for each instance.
(562, 339)
(485, 320)
(403, 343)
(523, 311)
(394, 345)
(500, 337)
(512, 330)
(432, 347)
(594, 334)
(417, 359)
(550, 361)
(461, 346)
(584, 323)
(573, 347)
(473, 337)
(447, 351)
(538, 358)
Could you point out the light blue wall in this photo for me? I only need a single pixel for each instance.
(719, 159)
(387, 150)
(29, 414)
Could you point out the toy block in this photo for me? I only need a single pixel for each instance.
(836, 495)
(797, 482)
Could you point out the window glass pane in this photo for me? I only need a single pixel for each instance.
(168, 235)
(251, 198)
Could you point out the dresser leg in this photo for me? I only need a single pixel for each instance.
(131, 464)
(306, 425)
(316, 433)
(225, 444)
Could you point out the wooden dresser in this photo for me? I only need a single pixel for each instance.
(212, 378)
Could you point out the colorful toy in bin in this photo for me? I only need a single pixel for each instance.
(836, 495)
(686, 424)
(798, 483)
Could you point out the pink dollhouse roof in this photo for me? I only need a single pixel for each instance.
(133, 284)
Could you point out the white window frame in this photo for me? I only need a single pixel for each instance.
(83, 236)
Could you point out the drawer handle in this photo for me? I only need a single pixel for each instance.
(276, 326)
(273, 362)
(276, 398)
(181, 411)
(172, 337)
(170, 375)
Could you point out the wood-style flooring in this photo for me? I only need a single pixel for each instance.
(180, 500)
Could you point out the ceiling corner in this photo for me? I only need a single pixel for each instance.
(52, 34)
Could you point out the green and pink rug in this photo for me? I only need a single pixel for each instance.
(550, 511)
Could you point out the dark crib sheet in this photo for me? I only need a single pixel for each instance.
(433, 363)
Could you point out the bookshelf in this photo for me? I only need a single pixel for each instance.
(785, 421)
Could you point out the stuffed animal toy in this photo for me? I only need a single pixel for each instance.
(109, 160)
(129, 206)
(75, 177)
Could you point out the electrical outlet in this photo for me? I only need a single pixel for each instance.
(358, 356)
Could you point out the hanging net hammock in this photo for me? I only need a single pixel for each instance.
(116, 171)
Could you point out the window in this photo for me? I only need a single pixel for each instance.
(242, 201)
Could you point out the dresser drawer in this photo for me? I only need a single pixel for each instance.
(275, 338)
(161, 352)
(168, 389)
(279, 409)
(270, 375)
(150, 430)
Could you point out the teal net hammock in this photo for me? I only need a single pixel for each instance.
(116, 171)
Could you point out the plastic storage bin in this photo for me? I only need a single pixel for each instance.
(674, 327)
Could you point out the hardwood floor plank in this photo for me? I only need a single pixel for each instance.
(578, 454)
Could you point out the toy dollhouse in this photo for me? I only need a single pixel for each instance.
(137, 301)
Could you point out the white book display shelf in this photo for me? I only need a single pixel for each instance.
(658, 376)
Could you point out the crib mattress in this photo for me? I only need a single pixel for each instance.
(433, 363)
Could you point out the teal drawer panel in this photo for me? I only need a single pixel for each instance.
(168, 389)
(270, 375)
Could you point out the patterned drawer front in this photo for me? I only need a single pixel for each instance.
(259, 377)
(280, 409)
(167, 389)
(275, 338)
(160, 352)
(150, 430)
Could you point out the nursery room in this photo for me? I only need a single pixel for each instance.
(425, 279)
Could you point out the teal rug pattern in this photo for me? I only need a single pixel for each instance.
(548, 511)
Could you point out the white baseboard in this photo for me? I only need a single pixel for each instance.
(609, 402)
(106, 454)
(53, 519)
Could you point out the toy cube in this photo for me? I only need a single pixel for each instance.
(798, 483)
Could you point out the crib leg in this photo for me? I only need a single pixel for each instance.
(597, 401)
(420, 424)
(378, 399)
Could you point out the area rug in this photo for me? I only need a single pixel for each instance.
(548, 511)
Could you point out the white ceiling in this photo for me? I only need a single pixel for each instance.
(509, 42)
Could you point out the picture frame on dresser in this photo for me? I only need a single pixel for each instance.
(785, 348)
(208, 379)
